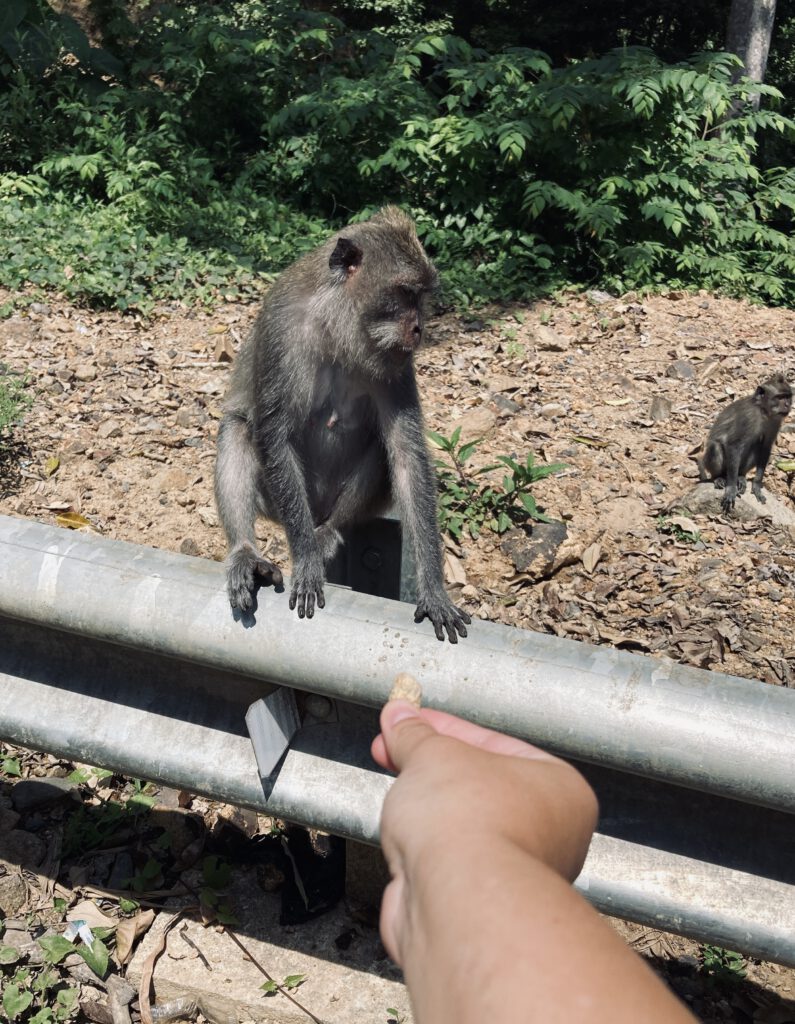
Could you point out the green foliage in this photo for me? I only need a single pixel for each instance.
(89, 827)
(677, 527)
(205, 145)
(216, 875)
(14, 400)
(722, 965)
(291, 982)
(35, 995)
(466, 503)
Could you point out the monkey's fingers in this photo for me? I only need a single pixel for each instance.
(304, 601)
(451, 619)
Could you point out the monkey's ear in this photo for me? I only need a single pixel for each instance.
(347, 256)
(760, 392)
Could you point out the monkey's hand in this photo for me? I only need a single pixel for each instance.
(756, 490)
(242, 566)
(307, 587)
(727, 502)
(444, 615)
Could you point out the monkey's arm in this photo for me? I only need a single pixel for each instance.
(289, 504)
(414, 486)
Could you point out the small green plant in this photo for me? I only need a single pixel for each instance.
(291, 982)
(34, 995)
(87, 828)
(466, 503)
(395, 1016)
(216, 875)
(680, 528)
(14, 400)
(722, 965)
(9, 765)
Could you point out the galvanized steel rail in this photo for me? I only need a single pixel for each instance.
(129, 657)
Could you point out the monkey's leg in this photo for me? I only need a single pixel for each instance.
(732, 474)
(237, 470)
(364, 490)
(414, 486)
(756, 486)
(711, 466)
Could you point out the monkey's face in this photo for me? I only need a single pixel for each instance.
(775, 398)
(395, 323)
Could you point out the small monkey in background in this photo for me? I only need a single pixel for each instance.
(322, 424)
(742, 437)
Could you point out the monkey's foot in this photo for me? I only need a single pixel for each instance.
(756, 490)
(727, 504)
(444, 615)
(308, 580)
(742, 483)
(719, 482)
(242, 566)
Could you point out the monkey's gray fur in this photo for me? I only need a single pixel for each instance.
(322, 423)
(742, 437)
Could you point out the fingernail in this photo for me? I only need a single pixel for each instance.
(399, 710)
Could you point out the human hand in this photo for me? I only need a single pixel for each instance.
(463, 787)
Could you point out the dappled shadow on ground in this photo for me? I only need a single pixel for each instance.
(12, 452)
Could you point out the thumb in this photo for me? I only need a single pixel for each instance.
(403, 729)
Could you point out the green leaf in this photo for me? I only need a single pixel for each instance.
(55, 948)
(42, 1016)
(270, 988)
(9, 955)
(216, 873)
(15, 1001)
(294, 980)
(10, 766)
(96, 956)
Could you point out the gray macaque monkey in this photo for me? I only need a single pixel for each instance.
(742, 437)
(322, 424)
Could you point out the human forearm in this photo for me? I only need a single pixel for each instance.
(494, 934)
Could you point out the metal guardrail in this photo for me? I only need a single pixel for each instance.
(128, 657)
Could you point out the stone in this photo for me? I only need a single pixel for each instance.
(505, 406)
(109, 428)
(30, 794)
(184, 417)
(599, 297)
(534, 554)
(476, 423)
(705, 499)
(347, 980)
(660, 409)
(548, 340)
(681, 369)
(18, 851)
(171, 480)
(552, 410)
(190, 547)
(86, 372)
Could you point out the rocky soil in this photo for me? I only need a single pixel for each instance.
(120, 440)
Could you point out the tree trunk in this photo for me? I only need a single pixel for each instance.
(748, 35)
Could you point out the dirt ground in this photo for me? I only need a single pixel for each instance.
(620, 390)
